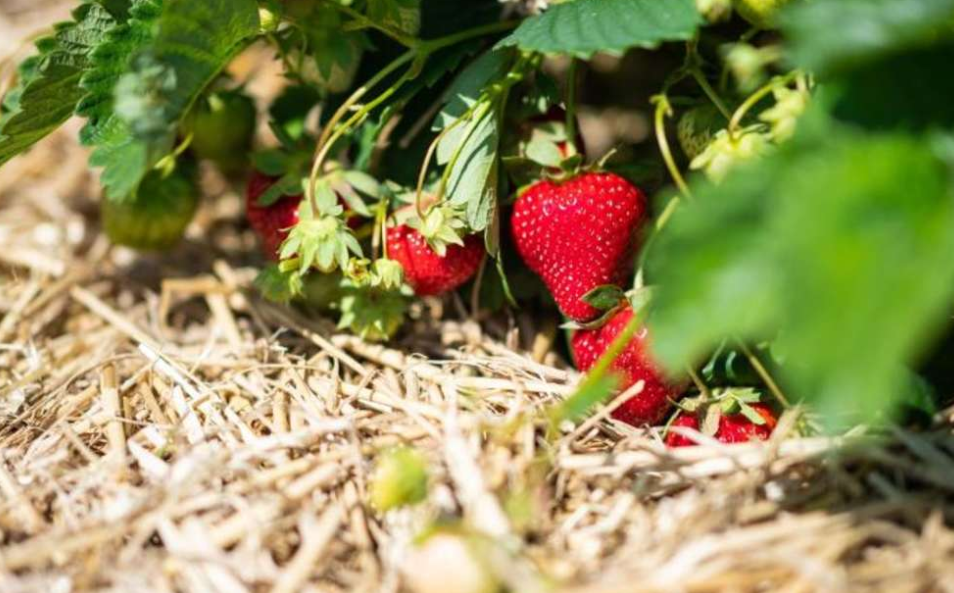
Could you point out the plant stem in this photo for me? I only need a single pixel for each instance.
(432, 45)
(757, 96)
(710, 92)
(764, 374)
(419, 51)
(664, 109)
(330, 134)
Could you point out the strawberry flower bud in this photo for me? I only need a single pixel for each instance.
(783, 116)
(727, 150)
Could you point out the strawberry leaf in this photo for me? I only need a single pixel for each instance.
(585, 27)
(48, 89)
(155, 70)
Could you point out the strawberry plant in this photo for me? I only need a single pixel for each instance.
(804, 225)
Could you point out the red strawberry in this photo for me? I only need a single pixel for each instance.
(674, 439)
(578, 235)
(633, 363)
(427, 272)
(733, 428)
(273, 222)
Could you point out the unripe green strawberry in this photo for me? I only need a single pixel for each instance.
(760, 13)
(697, 127)
(222, 126)
(156, 215)
(399, 479)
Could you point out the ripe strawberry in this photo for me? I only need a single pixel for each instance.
(427, 272)
(271, 222)
(733, 428)
(579, 234)
(633, 364)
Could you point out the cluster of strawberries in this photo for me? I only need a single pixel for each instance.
(577, 234)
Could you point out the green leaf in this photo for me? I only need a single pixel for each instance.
(589, 395)
(399, 479)
(900, 91)
(470, 84)
(838, 246)
(402, 15)
(109, 60)
(49, 86)
(472, 184)
(867, 30)
(194, 41)
(584, 27)
(159, 78)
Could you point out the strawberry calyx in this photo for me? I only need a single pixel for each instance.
(321, 239)
(729, 415)
(610, 299)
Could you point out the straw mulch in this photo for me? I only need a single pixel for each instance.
(163, 429)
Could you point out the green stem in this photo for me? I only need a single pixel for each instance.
(419, 51)
(764, 374)
(432, 45)
(664, 109)
(757, 96)
(422, 174)
(332, 131)
(710, 92)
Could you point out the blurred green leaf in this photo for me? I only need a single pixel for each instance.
(839, 246)
(902, 91)
(830, 35)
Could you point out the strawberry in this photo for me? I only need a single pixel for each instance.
(156, 215)
(696, 128)
(222, 126)
(733, 428)
(427, 272)
(272, 222)
(633, 364)
(578, 235)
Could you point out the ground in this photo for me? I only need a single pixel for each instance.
(163, 428)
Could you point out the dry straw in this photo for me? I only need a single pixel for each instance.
(163, 429)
